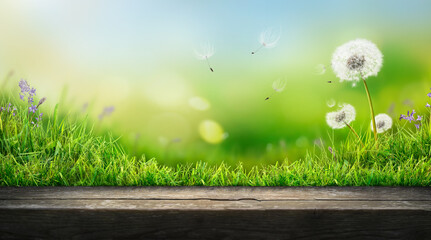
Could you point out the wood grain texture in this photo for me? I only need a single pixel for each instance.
(215, 213)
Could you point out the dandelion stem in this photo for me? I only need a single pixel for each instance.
(353, 130)
(261, 46)
(208, 62)
(371, 109)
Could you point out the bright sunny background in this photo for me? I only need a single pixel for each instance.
(138, 56)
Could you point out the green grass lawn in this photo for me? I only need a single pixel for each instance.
(57, 151)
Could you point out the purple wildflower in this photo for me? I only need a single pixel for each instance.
(32, 92)
(427, 105)
(32, 109)
(38, 119)
(84, 107)
(106, 112)
(24, 86)
(429, 95)
(26, 90)
(410, 117)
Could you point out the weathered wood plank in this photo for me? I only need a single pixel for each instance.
(222, 193)
(212, 205)
(215, 213)
(274, 224)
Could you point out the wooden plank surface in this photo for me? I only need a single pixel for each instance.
(219, 193)
(215, 213)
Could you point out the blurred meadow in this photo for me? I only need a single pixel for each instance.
(136, 60)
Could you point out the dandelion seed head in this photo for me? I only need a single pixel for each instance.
(338, 119)
(270, 37)
(356, 58)
(279, 85)
(206, 51)
(383, 123)
(356, 62)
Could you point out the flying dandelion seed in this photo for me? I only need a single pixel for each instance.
(320, 69)
(278, 86)
(330, 103)
(357, 60)
(383, 123)
(268, 39)
(206, 51)
(354, 84)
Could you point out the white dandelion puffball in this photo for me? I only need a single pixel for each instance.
(356, 58)
(279, 85)
(205, 52)
(269, 38)
(383, 123)
(340, 118)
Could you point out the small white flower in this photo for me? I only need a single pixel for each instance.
(279, 85)
(383, 123)
(356, 58)
(340, 118)
(206, 51)
(269, 38)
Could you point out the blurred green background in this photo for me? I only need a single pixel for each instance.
(138, 56)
